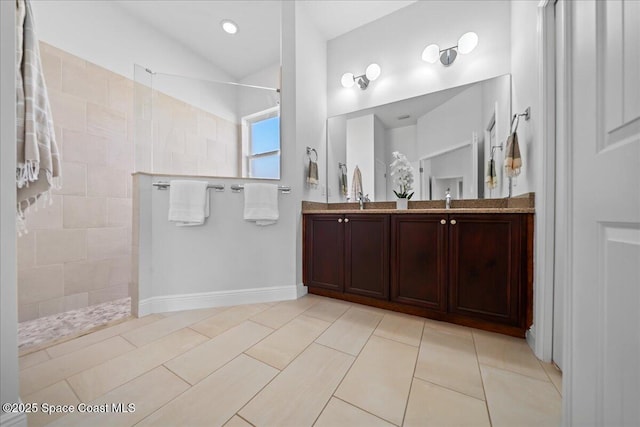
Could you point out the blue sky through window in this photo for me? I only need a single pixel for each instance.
(265, 135)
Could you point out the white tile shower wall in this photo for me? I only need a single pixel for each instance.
(78, 250)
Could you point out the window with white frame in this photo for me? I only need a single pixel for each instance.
(261, 144)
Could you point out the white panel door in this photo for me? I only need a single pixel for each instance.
(603, 381)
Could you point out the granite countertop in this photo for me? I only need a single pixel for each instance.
(515, 205)
(420, 211)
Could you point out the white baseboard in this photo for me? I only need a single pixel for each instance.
(13, 420)
(531, 337)
(164, 304)
(302, 290)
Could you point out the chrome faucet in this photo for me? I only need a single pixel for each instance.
(362, 199)
(447, 199)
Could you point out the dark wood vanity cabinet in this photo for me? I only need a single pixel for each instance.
(419, 260)
(348, 253)
(471, 269)
(486, 267)
(366, 253)
(323, 263)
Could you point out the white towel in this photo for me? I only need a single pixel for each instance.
(356, 184)
(188, 202)
(38, 162)
(261, 203)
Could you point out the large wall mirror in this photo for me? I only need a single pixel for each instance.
(448, 136)
(224, 125)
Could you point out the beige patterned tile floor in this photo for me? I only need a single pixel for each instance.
(314, 361)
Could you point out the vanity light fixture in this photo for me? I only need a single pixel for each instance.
(466, 43)
(229, 26)
(371, 73)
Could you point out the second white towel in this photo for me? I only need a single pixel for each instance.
(261, 203)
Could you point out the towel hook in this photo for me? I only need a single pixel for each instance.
(342, 167)
(312, 150)
(493, 149)
(526, 114)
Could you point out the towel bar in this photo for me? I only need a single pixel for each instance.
(164, 185)
(236, 188)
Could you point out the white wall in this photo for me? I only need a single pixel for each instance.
(451, 123)
(454, 164)
(396, 43)
(525, 87)
(228, 259)
(252, 100)
(311, 102)
(9, 391)
(310, 71)
(360, 134)
(336, 153)
(380, 162)
(496, 97)
(227, 255)
(525, 93)
(125, 41)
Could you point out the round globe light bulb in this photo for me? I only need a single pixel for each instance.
(431, 53)
(467, 42)
(347, 80)
(229, 27)
(373, 72)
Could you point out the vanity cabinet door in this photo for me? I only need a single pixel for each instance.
(485, 266)
(367, 255)
(324, 251)
(419, 260)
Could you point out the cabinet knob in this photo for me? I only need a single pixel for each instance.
(346, 220)
(453, 222)
(443, 221)
(339, 219)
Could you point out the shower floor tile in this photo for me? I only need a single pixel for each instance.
(46, 330)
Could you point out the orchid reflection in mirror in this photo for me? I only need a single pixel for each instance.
(402, 175)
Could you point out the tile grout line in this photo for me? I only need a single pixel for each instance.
(143, 373)
(262, 361)
(244, 419)
(82, 371)
(355, 358)
(553, 366)
(413, 374)
(449, 389)
(305, 349)
(364, 410)
(296, 356)
(72, 389)
(489, 365)
(275, 376)
(484, 391)
(190, 386)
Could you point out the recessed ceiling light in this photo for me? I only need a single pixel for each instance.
(229, 26)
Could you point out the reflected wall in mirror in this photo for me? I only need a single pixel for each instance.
(447, 136)
(223, 127)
